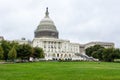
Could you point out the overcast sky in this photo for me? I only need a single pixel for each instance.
(80, 21)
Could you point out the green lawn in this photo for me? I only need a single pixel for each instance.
(60, 71)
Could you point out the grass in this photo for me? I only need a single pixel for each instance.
(60, 71)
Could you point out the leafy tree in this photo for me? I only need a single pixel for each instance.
(103, 54)
(107, 54)
(90, 51)
(115, 54)
(15, 44)
(38, 53)
(6, 45)
(24, 51)
(110, 54)
(95, 54)
(6, 48)
(12, 54)
(1, 53)
(100, 54)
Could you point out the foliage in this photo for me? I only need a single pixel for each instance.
(6, 48)
(24, 51)
(38, 52)
(1, 53)
(92, 49)
(12, 54)
(6, 45)
(103, 54)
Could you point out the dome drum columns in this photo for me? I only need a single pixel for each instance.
(49, 34)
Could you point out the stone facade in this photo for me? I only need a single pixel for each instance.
(57, 48)
(104, 44)
(1, 38)
(22, 41)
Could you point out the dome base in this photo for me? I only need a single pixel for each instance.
(48, 34)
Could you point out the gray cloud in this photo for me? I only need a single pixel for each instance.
(77, 20)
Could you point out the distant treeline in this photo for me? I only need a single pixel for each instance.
(103, 54)
(10, 51)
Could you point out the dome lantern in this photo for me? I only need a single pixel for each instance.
(47, 13)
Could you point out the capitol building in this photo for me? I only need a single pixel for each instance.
(47, 37)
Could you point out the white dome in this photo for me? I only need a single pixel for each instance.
(46, 26)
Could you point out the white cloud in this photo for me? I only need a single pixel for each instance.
(77, 20)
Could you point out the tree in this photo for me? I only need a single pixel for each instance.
(12, 54)
(107, 54)
(103, 54)
(90, 51)
(98, 54)
(6, 48)
(115, 54)
(1, 53)
(38, 52)
(24, 51)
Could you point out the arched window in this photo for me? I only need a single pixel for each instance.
(57, 55)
